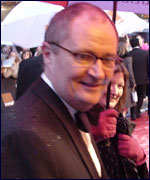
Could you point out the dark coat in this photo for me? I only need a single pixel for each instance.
(117, 166)
(29, 70)
(43, 141)
(131, 81)
(140, 65)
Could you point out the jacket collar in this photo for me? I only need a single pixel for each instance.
(58, 107)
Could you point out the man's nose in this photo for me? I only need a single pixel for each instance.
(97, 70)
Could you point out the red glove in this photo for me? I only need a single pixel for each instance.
(129, 148)
(106, 125)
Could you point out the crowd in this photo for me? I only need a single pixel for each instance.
(19, 54)
(72, 97)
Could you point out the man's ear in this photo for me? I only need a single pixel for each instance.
(46, 49)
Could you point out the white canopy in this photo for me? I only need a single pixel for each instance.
(128, 22)
(25, 25)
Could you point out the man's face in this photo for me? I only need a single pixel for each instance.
(79, 86)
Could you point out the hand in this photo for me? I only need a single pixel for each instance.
(129, 148)
(106, 125)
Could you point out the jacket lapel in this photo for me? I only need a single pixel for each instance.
(58, 107)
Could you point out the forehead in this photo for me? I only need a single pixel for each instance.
(118, 77)
(94, 34)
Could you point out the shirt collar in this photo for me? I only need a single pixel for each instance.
(49, 83)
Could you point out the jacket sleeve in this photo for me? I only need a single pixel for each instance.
(143, 171)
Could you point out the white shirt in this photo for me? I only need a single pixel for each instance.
(85, 136)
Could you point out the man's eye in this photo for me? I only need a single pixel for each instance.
(81, 56)
(107, 59)
(84, 57)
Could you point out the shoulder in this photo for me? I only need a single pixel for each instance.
(33, 65)
(32, 60)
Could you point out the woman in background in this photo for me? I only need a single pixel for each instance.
(127, 60)
(122, 156)
(26, 54)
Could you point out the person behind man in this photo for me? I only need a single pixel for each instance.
(43, 142)
(143, 45)
(26, 54)
(127, 60)
(140, 60)
(5, 51)
(29, 71)
(121, 154)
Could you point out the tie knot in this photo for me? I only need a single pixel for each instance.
(82, 121)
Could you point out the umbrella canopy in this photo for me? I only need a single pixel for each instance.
(25, 25)
(128, 22)
(6, 43)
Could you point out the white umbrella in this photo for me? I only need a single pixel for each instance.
(25, 25)
(6, 43)
(128, 22)
(131, 23)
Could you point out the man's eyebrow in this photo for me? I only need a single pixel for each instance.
(110, 55)
(85, 51)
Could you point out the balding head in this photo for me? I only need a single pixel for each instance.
(59, 27)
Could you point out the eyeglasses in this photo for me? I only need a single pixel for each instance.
(87, 60)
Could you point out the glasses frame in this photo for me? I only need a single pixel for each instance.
(95, 58)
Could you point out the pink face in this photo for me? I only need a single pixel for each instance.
(117, 85)
(12, 54)
(79, 86)
(26, 55)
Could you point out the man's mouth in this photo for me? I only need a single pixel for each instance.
(90, 84)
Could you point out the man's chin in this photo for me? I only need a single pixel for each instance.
(88, 104)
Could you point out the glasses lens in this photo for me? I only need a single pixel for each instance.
(108, 62)
(85, 59)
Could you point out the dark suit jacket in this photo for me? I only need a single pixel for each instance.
(43, 142)
(29, 70)
(140, 65)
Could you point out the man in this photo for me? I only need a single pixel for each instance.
(79, 57)
(140, 70)
(143, 45)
